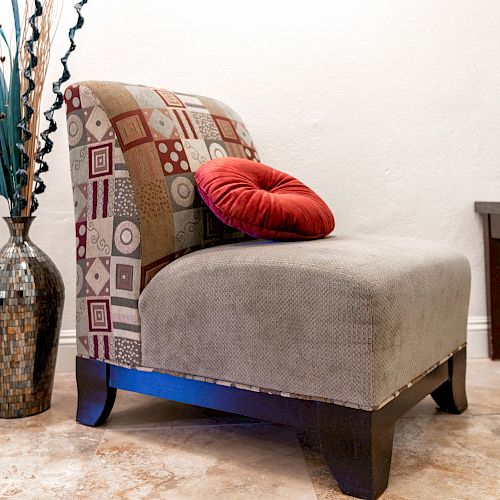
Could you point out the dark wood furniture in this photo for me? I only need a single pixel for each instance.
(490, 212)
(357, 444)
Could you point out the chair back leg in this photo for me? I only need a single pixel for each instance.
(451, 396)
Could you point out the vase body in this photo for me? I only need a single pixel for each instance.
(31, 305)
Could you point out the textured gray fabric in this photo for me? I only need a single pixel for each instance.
(352, 319)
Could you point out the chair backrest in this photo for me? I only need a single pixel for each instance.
(133, 151)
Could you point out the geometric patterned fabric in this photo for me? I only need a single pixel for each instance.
(133, 152)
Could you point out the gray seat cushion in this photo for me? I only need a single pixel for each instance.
(352, 320)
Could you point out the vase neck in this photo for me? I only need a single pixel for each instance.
(19, 228)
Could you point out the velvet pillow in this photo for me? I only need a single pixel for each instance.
(261, 201)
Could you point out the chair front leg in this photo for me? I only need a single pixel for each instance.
(95, 397)
(357, 446)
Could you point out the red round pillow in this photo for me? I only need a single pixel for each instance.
(262, 201)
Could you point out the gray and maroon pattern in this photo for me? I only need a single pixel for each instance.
(133, 151)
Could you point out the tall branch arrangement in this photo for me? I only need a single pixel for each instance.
(23, 70)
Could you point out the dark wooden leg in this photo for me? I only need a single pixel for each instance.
(491, 225)
(451, 395)
(95, 397)
(357, 446)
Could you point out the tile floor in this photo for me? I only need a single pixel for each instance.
(158, 449)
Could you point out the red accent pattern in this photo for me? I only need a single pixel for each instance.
(99, 315)
(172, 156)
(170, 99)
(100, 160)
(72, 99)
(132, 129)
(226, 129)
(190, 124)
(81, 240)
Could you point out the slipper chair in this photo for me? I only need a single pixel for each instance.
(342, 334)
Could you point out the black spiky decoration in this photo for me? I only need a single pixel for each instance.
(49, 114)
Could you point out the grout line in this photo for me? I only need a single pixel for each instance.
(308, 466)
(86, 467)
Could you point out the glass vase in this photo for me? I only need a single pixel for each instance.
(31, 305)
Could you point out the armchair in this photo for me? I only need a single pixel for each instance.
(342, 334)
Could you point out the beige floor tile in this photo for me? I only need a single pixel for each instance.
(45, 464)
(446, 457)
(246, 461)
(46, 455)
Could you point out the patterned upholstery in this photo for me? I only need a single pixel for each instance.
(133, 151)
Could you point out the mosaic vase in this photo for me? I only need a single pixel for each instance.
(31, 304)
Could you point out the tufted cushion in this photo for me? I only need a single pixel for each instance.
(261, 201)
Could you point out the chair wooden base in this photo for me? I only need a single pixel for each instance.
(357, 444)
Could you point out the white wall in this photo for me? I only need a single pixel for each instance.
(389, 109)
